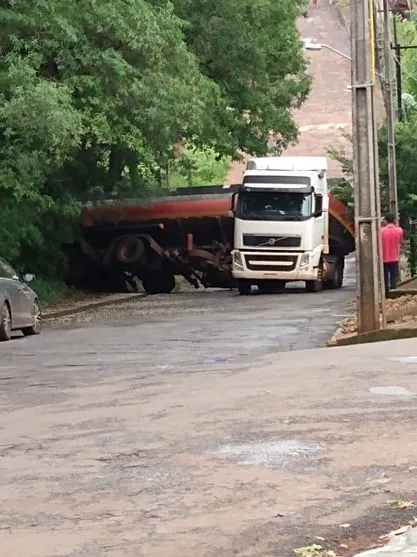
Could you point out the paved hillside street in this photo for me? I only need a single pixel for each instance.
(326, 114)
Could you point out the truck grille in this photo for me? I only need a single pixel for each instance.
(253, 240)
(267, 262)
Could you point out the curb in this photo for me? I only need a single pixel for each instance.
(402, 291)
(406, 281)
(92, 305)
(375, 336)
(335, 338)
(343, 19)
(399, 293)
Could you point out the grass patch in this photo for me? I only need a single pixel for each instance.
(51, 291)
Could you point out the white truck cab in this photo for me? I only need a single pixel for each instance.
(281, 229)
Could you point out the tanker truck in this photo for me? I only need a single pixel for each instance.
(207, 235)
(287, 227)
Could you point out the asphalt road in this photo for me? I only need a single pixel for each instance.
(189, 328)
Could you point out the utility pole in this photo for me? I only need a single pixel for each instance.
(364, 172)
(392, 164)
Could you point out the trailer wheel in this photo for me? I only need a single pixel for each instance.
(316, 285)
(130, 250)
(159, 283)
(244, 287)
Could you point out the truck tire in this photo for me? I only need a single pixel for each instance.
(244, 287)
(337, 279)
(271, 286)
(159, 283)
(130, 250)
(316, 285)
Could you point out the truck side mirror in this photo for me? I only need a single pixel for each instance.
(318, 206)
(233, 203)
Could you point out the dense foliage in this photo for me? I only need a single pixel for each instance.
(197, 167)
(93, 96)
(406, 138)
(406, 149)
(406, 130)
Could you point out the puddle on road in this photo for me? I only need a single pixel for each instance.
(391, 391)
(268, 453)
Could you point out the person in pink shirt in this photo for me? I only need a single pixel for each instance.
(391, 238)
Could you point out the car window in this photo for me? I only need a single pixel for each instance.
(6, 270)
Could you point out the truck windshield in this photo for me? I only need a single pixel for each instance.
(256, 205)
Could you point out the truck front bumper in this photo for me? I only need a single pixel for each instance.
(263, 265)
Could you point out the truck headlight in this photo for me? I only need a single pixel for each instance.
(305, 260)
(237, 260)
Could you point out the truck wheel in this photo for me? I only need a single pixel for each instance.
(315, 285)
(271, 286)
(244, 287)
(130, 250)
(337, 280)
(159, 283)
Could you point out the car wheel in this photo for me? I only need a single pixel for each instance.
(36, 326)
(5, 322)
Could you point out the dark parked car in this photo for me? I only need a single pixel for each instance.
(19, 304)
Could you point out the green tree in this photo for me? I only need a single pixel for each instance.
(406, 150)
(252, 51)
(407, 36)
(198, 167)
(89, 92)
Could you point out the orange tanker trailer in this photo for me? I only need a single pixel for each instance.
(187, 233)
